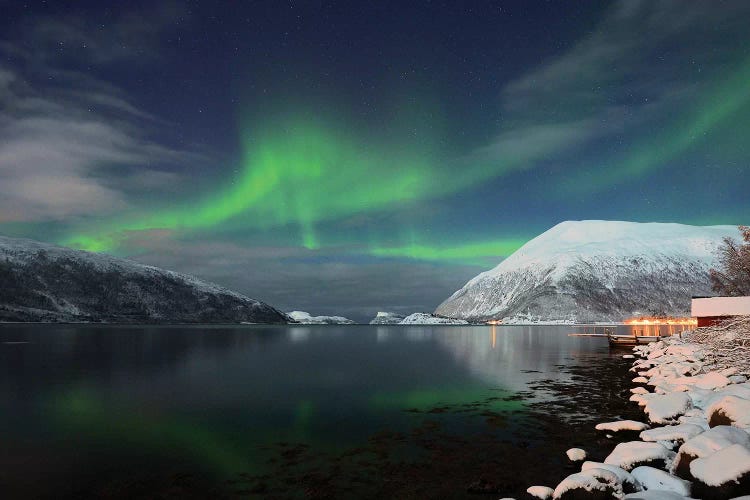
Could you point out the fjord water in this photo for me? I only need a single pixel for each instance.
(89, 409)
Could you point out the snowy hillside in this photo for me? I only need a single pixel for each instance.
(306, 319)
(42, 282)
(430, 319)
(386, 318)
(595, 271)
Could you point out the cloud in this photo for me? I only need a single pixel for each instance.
(74, 145)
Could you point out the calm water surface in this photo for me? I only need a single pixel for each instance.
(88, 410)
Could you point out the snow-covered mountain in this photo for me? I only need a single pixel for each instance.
(386, 318)
(306, 319)
(42, 282)
(430, 319)
(595, 271)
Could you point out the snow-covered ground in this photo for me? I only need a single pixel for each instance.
(696, 443)
(306, 319)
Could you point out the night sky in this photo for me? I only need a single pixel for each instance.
(349, 157)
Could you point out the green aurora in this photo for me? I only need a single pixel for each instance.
(304, 174)
(307, 174)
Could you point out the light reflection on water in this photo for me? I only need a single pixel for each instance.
(81, 401)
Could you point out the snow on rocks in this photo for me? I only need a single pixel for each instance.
(723, 474)
(698, 404)
(706, 444)
(710, 380)
(576, 455)
(542, 492)
(680, 432)
(663, 409)
(642, 399)
(622, 425)
(591, 483)
(729, 410)
(634, 453)
(629, 483)
(656, 479)
(655, 495)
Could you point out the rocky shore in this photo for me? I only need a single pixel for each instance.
(694, 441)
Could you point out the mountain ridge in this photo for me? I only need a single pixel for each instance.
(45, 282)
(595, 270)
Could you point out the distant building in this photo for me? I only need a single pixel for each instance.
(711, 310)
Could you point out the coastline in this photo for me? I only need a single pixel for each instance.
(694, 438)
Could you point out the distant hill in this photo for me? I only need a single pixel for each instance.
(305, 318)
(595, 271)
(42, 282)
(386, 318)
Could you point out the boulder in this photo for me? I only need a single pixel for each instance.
(729, 410)
(656, 479)
(632, 454)
(723, 474)
(706, 444)
(593, 484)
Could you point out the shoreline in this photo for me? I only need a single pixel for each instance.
(693, 440)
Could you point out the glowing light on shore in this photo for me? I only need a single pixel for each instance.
(662, 321)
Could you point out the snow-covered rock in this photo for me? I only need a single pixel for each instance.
(634, 453)
(666, 408)
(386, 318)
(656, 479)
(707, 443)
(591, 483)
(576, 454)
(622, 425)
(430, 319)
(43, 282)
(656, 495)
(306, 319)
(595, 270)
(541, 492)
(709, 381)
(629, 483)
(723, 474)
(729, 410)
(680, 432)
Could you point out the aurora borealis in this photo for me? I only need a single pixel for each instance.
(345, 158)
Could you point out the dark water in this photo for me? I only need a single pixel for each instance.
(298, 411)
